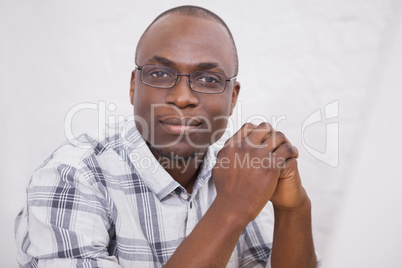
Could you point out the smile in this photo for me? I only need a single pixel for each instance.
(180, 126)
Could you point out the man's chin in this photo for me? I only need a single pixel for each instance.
(177, 152)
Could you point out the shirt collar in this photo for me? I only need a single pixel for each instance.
(151, 172)
(204, 174)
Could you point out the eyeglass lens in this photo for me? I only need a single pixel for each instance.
(166, 77)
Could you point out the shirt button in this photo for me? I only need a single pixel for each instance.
(177, 191)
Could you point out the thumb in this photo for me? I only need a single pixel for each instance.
(289, 169)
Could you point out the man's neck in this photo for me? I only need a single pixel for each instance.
(183, 170)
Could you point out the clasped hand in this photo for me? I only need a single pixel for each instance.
(256, 165)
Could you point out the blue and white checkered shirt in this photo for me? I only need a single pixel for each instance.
(112, 204)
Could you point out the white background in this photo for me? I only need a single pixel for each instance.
(296, 56)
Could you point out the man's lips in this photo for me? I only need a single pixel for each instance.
(184, 121)
(178, 126)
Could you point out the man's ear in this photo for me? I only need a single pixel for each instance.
(132, 86)
(235, 94)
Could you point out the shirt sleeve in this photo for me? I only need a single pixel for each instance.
(66, 221)
(256, 240)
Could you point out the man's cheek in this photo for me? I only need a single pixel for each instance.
(143, 123)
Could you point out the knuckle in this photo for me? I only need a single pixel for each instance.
(247, 128)
(248, 125)
(285, 150)
(265, 125)
(296, 151)
(289, 148)
(280, 135)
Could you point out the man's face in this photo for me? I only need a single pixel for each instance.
(177, 120)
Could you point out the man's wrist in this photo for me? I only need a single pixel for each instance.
(303, 206)
(229, 213)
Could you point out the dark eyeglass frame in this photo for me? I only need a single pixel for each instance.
(188, 80)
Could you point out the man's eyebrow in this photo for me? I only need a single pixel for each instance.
(164, 61)
(208, 66)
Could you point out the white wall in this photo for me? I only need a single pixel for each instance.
(368, 233)
(296, 57)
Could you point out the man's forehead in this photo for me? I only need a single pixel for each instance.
(187, 38)
(183, 21)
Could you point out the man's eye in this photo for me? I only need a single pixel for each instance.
(208, 79)
(160, 74)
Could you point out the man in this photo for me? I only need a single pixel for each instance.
(104, 207)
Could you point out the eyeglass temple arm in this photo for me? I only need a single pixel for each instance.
(230, 79)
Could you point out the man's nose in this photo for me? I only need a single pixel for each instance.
(181, 95)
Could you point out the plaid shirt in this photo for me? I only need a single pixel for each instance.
(112, 204)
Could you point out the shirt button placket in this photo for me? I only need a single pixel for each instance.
(191, 217)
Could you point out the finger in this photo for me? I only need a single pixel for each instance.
(285, 152)
(289, 168)
(275, 140)
(259, 134)
(240, 134)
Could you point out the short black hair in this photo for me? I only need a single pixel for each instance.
(197, 12)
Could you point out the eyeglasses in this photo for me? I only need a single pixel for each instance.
(160, 76)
